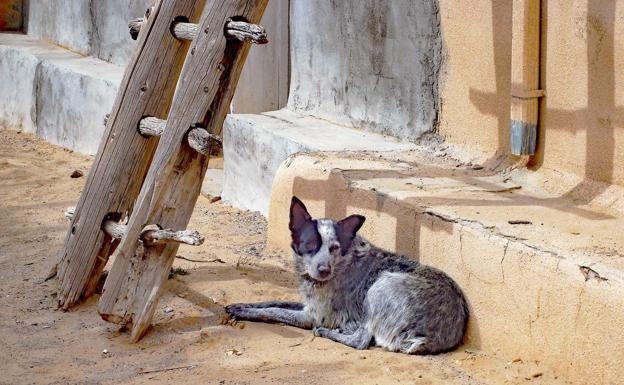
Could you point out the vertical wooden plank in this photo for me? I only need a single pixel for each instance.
(173, 183)
(264, 81)
(525, 76)
(123, 158)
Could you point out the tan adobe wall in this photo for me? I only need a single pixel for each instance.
(581, 128)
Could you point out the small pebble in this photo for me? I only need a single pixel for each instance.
(168, 310)
(76, 174)
(233, 352)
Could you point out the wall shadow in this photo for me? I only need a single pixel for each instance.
(598, 120)
(341, 192)
(492, 103)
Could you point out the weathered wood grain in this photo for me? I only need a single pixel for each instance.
(151, 126)
(135, 25)
(123, 158)
(150, 236)
(185, 31)
(247, 32)
(525, 61)
(240, 30)
(173, 182)
(114, 229)
(202, 141)
(189, 237)
(198, 138)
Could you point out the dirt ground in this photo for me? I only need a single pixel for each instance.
(188, 344)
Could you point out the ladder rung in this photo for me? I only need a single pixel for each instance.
(150, 237)
(240, 30)
(199, 139)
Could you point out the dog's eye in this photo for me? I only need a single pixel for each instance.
(333, 248)
(310, 247)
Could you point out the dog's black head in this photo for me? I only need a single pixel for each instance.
(320, 245)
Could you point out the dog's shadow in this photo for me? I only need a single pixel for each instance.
(214, 312)
(270, 274)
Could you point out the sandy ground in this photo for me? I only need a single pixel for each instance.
(188, 344)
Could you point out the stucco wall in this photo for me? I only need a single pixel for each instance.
(476, 75)
(581, 128)
(368, 64)
(582, 117)
(60, 82)
(100, 29)
(59, 95)
(95, 28)
(374, 65)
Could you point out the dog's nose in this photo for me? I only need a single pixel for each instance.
(324, 271)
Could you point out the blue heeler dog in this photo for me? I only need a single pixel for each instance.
(357, 294)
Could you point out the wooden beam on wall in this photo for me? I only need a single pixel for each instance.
(525, 64)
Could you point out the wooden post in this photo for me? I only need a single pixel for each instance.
(173, 183)
(525, 61)
(124, 155)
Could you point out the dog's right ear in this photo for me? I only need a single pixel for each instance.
(305, 237)
(299, 215)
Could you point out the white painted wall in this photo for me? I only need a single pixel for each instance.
(59, 95)
(62, 77)
(370, 64)
(98, 28)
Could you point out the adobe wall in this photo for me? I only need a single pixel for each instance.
(476, 74)
(581, 129)
(583, 115)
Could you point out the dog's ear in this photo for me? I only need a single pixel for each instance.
(346, 230)
(299, 215)
(305, 237)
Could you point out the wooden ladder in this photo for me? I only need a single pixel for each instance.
(147, 175)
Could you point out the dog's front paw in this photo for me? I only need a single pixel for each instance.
(320, 331)
(236, 310)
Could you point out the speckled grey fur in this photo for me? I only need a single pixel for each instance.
(357, 294)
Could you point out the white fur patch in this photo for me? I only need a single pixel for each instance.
(326, 230)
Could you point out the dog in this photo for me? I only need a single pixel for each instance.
(360, 295)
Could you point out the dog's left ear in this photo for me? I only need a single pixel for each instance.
(346, 230)
(299, 215)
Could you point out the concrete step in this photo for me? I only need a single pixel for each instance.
(544, 274)
(57, 94)
(255, 146)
